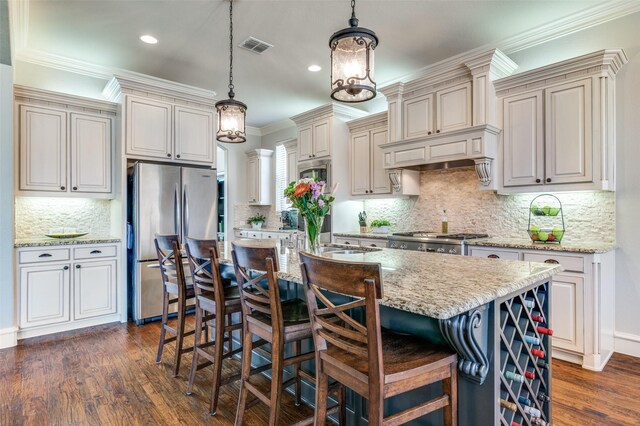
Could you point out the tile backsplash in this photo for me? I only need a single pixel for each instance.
(34, 216)
(588, 216)
(245, 211)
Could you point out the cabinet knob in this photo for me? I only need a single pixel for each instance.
(437, 131)
(537, 180)
(553, 261)
(169, 155)
(548, 179)
(373, 245)
(75, 188)
(77, 266)
(429, 133)
(178, 156)
(493, 256)
(65, 268)
(62, 188)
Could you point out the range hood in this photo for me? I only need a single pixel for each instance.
(475, 146)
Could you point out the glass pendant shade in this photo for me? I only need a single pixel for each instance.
(231, 115)
(352, 68)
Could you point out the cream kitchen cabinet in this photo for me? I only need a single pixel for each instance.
(64, 152)
(157, 129)
(66, 287)
(363, 242)
(582, 301)
(444, 110)
(259, 180)
(314, 139)
(560, 135)
(368, 175)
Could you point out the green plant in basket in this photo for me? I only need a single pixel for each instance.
(259, 218)
(376, 223)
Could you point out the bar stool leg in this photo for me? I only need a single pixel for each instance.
(296, 371)
(376, 407)
(277, 359)
(197, 341)
(180, 336)
(246, 371)
(450, 387)
(342, 400)
(322, 390)
(163, 330)
(217, 365)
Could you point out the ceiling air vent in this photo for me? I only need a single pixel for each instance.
(254, 45)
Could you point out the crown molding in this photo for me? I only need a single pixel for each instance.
(331, 109)
(63, 63)
(254, 131)
(70, 100)
(368, 122)
(495, 62)
(18, 25)
(145, 83)
(276, 126)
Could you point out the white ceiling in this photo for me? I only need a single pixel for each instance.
(193, 39)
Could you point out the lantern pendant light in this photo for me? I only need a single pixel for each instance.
(231, 113)
(352, 70)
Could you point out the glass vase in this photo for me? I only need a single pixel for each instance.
(313, 226)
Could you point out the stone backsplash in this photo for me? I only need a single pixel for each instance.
(36, 215)
(245, 211)
(588, 216)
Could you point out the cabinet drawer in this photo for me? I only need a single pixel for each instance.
(43, 255)
(373, 243)
(274, 235)
(494, 253)
(343, 240)
(254, 234)
(94, 252)
(568, 262)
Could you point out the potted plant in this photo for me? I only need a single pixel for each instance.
(380, 226)
(256, 221)
(362, 219)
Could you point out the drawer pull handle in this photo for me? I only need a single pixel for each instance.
(555, 262)
(373, 245)
(45, 255)
(66, 268)
(77, 266)
(493, 256)
(96, 252)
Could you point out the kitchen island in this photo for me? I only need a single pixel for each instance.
(487, 311)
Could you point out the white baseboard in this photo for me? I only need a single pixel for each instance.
(626, 343)
(8, 337)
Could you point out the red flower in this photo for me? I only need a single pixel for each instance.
(300, 189)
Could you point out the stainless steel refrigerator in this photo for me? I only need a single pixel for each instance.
(163, 199)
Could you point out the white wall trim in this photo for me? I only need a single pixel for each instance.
(627, 343)
(63, 63)
(8, 337)
(19, 24)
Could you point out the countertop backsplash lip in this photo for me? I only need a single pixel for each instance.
(565, 246)
(47, 242)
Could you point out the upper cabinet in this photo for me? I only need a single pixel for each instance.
(368, 176)
(259, 179)
(65, 144)
(162, 130)
(314, 140)
(560, 135)
(165, 121)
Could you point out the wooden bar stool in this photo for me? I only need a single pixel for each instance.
(216, 302)
(175, 291)
(371, 361)
(275, 322)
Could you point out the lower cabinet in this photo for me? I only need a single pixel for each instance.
(582, 301)
(363, 242)
(62, 288)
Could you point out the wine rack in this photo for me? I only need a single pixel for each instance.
(524, 363)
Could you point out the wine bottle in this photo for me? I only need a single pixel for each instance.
(532, 340)
(508, 405)
(533, 412)
(536, 421)
(515, 424)
(537, 352)
(529, 303)
(537, 318)
(542, 364)
(514, 376)
(530, 375)
(544, 330)
(524, 401)
(544, 397)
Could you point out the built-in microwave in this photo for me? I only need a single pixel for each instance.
(316, 169)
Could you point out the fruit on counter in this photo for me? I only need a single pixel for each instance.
(557, 232)
(534, 228)
(546, 210)
(543, 236)
(553, 211)
(534, 208)
(551, 237)
(534, 236)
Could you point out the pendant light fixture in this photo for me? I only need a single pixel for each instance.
(352, 70)
(231, 113)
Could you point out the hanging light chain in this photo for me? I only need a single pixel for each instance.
(231, 94)
(353, 22)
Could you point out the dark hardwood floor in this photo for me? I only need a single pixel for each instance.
(107, 375)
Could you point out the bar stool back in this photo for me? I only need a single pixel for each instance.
(216, 302)
(374, 362)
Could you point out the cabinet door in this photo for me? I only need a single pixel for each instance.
(523, 152)
(43, 149)
(148, 128)
(569, 150)
(305, 142)
(380, 183)
(493, 253)
(322, 138)
(44, 295)
(253, 176)
(292, 165)
(567, 305)
(418, 116)
(90, 153)
(360, 163)
(94, 289)
(194, 140)
(453, 108)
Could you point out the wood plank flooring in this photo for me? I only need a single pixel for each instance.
(106, 375)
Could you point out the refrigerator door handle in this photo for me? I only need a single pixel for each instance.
(176, 211)
(185, 211)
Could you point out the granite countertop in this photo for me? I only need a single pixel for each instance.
(527, 244)
(266, 230)
(362, 235)
(46, 241)
(435, 285)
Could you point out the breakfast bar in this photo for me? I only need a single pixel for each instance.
(493, 313)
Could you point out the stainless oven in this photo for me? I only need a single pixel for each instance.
(316, 169)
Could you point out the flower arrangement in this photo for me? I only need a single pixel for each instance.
(307, 196)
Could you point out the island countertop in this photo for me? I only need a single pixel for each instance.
(46, 241)
(436, 285)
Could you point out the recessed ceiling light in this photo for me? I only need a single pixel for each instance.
(149, 39)
(314, 68)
